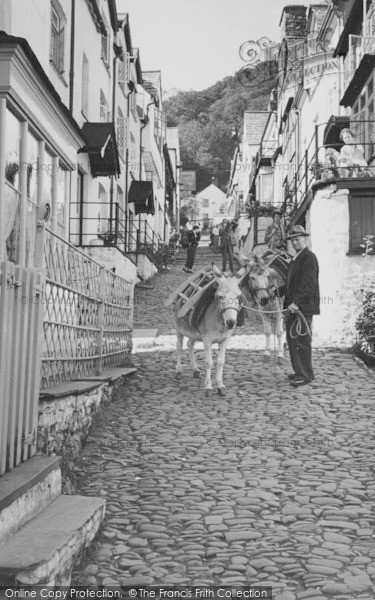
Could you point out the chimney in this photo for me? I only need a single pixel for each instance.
(293, 22)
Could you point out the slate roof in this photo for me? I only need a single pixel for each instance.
(254, 125)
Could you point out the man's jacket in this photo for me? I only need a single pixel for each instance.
(194, 238)
(302, 283)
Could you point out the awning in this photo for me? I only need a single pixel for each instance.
(361, 75)
(142, 194)
(101, 147)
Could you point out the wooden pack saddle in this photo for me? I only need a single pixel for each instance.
(184, 300)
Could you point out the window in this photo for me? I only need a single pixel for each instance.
(205, 203)
(362, 121)
(124, 70)
(265, 188)
(61, 201)
(105, 45)
(361, 217)
(57, 37)
(121, 132)
(133, 103)
(105, 114)
(85, 85)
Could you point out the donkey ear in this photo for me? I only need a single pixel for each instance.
(241, 273)
(217, 271)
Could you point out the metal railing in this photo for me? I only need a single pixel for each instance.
(87, 315)
(132, 237)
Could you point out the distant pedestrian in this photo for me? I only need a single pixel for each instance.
(226, 245)
(215, 239)
(194, 238)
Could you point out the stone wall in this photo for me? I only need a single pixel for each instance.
(64, 422)
(341, 275)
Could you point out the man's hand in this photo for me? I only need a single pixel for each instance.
(293, 308)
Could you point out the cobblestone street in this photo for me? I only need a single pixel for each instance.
(268, 485)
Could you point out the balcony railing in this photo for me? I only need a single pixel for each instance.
(359, 45)
(323, 163)
(130, 236)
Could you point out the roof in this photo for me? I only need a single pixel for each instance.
(137, 62)
(123, 22)
(152, 82)
(254, 124)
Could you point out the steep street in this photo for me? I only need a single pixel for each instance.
(268, 485)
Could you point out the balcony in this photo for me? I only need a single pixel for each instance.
(358, 64)
(327, 159)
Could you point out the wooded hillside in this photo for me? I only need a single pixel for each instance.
(205, 120)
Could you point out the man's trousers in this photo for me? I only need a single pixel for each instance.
(300, 347)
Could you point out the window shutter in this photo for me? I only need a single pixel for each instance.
(61, 50)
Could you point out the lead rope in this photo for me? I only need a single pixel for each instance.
(296, 328)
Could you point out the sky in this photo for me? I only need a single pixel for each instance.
(195, 43)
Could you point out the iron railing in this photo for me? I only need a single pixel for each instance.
(87, 315)
(131, 236)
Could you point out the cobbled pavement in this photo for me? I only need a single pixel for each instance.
(269, 485)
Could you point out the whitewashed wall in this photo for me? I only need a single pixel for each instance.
(340, 275)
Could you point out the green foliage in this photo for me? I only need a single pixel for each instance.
(365, 323)
(205, 120)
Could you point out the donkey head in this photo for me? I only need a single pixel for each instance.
(228, 294)
(260, 280)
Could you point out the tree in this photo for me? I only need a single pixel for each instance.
(189, 208)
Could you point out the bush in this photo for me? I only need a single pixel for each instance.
(365, 323)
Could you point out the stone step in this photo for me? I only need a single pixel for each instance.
(44, 549)
(26, 491)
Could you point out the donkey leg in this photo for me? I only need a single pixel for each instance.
(196, 371)
(180, 339)
(267, 332)
(220, 366)
(280, 334)
(209, 365)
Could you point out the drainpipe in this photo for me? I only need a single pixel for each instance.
(72, 47)
(111, 189)
(140, 153)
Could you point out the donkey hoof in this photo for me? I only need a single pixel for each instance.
(280, 359)
(197, 374)
(266, 357)
(208, 393)
(221, 391)
(178, 375)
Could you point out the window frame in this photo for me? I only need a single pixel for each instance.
(57, 37)
(356, 199)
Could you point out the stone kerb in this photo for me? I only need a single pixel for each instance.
(340, 275)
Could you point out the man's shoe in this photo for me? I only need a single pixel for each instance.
(291, 375)
(184, 269)
(189, 270)
(298, 381)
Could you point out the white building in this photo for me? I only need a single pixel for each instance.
(212, 204)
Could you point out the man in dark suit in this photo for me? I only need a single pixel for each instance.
(302, 294)
(194, 238)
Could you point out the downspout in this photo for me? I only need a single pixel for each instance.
(72, 48)
(114, 125)
(140, 153)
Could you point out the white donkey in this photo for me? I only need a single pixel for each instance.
(213, 321)
(266, 285)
